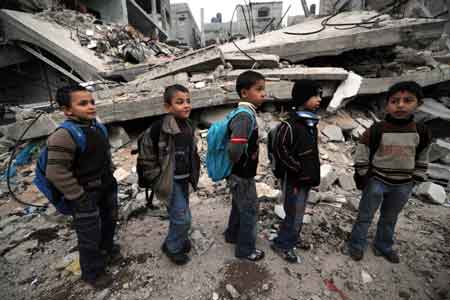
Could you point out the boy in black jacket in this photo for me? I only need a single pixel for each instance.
(296, 149)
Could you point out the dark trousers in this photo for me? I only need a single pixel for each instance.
(391, 199)
(243, 217)
(94, 219)
(294, 207)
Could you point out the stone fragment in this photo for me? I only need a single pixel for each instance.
(121, 174)
(334, 133)
(366, 123)
(347, 182)
(438, 150)
(365, 277)
(103, 295)
(265, 191)
(65, 261)
(232, 291)
(118, 137)
(279, 211)
(327, 177)
(358, 132)
(431, 192)
(134, 206)
(313, 197)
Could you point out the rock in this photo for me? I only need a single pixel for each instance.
(279, 211)
(201, 242)
(209, 116)
(215, 296)
(334, 133)
(307, 219)
(265, 191)
(347, 182)
(327, 177)
(265, 287)
(365, 277)
(134, 206)
(431, 192)
(445, 160)
(118, 137)
(313, 197)
(438, 150)
(358, 132)
(121, 174)
(353, 203)
(103, 295)
(65, 261)
(21, 252)
(232, 291)
(200, 84)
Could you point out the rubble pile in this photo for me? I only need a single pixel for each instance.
(122, 42)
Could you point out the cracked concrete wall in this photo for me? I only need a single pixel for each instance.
(113, 11)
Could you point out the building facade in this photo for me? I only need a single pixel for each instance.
(184, 28)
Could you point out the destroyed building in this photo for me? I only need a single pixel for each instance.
(355, 63)
(184, 27)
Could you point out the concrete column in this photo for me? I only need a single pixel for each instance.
(154, 13)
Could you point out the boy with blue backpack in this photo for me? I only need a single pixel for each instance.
(242, 146)
(168, 163)
(79, 180)
(294, 154)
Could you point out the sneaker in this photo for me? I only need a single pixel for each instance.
(391, 256)
(187, 246)
(100, 282)
(355, 254)
(288, 255)
(179, 258)
(255, 256)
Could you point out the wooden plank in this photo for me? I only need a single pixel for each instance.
(296, 73)
(240, 61)
(205, 59)
(334, 41)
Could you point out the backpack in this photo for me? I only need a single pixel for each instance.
(217, 158)
(55, 197)
(374, 142)
(277, 167)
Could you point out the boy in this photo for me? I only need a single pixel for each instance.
(86, 181)
(243, 150)
(296, 149)
(169, 161)
(386, 173)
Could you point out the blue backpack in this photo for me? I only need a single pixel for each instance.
(217, 158)
(54, 196)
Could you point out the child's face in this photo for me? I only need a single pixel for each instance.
(82, 106)
(256, 93)
(180, 105)
(313, 103)
(402, 105)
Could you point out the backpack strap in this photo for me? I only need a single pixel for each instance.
(247, 111)
(76, 132)
(102, 128)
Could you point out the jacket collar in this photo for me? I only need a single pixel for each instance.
(170, 125)
(248, 105)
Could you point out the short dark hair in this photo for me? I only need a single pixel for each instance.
(63, 94)
(410, 86)
(171, 90)
(303, 90)
(246, 80)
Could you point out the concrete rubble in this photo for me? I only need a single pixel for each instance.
(355, 66)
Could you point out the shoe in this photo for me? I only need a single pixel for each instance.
(114, 254)
(179, 258)
(229, 240)
(101, 282)
(187, 246)
(355, 254)
(288, 255)
(255, 256)
(391, 256)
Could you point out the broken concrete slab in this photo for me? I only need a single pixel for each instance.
(334, 133)
(370, 86)
(118, 137)
(210, 116)
(205, 59)
(327, 177)
(296, 73)
(347, 182)
(296, 47)
(432, 193)
(240, 61)
(435, 109)
(439, 173)
(348, 89)
(439, 150)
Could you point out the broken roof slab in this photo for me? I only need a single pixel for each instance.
(333, 41)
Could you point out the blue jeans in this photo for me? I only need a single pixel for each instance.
(244, 213)
(179, 216)
(392, 199)
(294, 207)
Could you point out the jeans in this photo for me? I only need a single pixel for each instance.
(244, 213)
(94, 219)
(294, 207)
(392, 199)
(179, 217)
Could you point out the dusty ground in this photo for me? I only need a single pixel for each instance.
(33, 245)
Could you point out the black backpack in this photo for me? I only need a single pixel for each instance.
(277, 167)
(376, 133)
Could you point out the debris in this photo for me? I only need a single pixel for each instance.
(103, 295)
(279, 211)
(265, 191)
(74, 267)
(432, 193)
(121, 174)
(327, 177)
(348, 89)
(200, 241)
(240, 61)
(66, 261)
(439, 149)
(435, 109)
(365, 277)
(346, 181)
(232, 291)
(215, 296)
(118, 137)
(333, 133)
